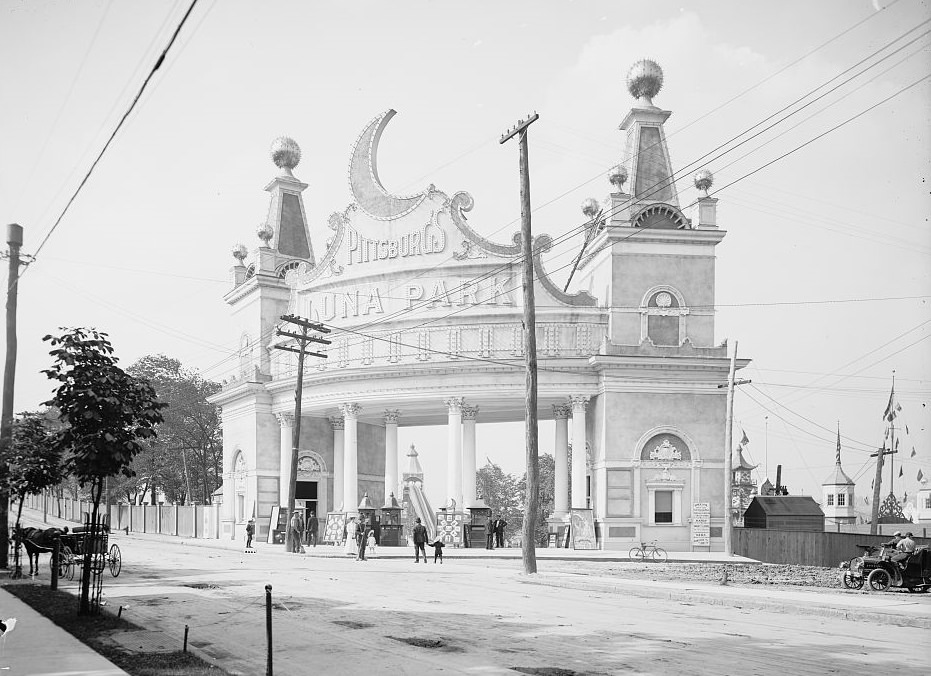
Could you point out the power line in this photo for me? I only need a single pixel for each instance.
(132, 105)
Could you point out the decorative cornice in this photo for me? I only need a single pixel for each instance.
(579, 402)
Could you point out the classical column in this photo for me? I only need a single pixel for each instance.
(454, 450)
(338, 452)
(468, 455)
(391, 453)
(579, 403)
(286, 420)
(561, 414)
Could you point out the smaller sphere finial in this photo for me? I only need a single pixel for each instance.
(240, 252)
(703, 180)
(644, 80)
(618, 177)
(286, 154)
(590, 207)
(265, 233)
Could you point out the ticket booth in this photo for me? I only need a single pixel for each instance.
(368, 514)
(476, 530)
(391, 528)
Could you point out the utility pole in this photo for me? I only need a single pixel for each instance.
(877, 483)
(14, 238)
(728, 453)
(302, 338)
(528, 544)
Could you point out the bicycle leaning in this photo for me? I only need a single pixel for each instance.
(647, 551)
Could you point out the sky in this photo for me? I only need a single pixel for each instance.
(823, 279)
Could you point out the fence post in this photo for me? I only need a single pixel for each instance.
(268, 626)
(56, 556)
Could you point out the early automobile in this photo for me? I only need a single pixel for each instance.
(879, 572)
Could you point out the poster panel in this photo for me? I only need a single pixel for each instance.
(583, 529)
(701, 524)
(335, 526)
(449, 528)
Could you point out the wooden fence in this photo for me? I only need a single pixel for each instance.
(815, 548)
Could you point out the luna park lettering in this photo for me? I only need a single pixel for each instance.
(326, 306)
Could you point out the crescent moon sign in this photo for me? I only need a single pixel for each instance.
(366, 188)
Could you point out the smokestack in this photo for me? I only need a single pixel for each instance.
(778, 479)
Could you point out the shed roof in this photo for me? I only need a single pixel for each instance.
(788, 505)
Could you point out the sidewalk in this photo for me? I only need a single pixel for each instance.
(38, 647)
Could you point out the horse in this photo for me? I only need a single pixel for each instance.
(37, 541)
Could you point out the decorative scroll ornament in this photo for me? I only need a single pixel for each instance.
(665, 451)
(308, 463)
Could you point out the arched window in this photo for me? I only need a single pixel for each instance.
(666, 448)
(239, 487)
(663, 312)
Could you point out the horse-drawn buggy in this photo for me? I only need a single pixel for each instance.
(74, 545)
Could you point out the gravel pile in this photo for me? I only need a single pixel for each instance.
(737, 573)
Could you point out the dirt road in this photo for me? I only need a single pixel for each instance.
(338, 616)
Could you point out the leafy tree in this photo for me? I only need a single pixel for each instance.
(547, 494)
(105, 413)
(185, 461)
(34, 462)
(501, 492)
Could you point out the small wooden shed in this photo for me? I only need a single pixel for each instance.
(784, 512)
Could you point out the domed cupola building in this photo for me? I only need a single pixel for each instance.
(425, 319)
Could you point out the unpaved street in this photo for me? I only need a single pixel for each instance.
(339, 616)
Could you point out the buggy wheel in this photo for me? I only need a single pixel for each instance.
(879, 580)
(66, 563)
(635, 554)
(116, 561)
(852, 581)
(659, 555)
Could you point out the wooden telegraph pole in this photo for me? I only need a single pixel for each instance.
(728, 454)
(302, 338)
(14, 238)
(528, 532)
(877, 483)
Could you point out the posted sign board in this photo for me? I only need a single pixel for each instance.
(701, 524)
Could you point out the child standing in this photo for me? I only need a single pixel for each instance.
(370, 543)
(437, 550)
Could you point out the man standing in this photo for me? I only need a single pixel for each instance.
(312, 529)
(500, 525)
(250, 532)
(296, 527)
(489, 533)
(420, 541)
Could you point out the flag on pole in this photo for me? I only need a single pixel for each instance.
(913, 452)
(921, 477)
(900, 472)
(906, 429)
(892, 408)
(886, 435)
(897, 444)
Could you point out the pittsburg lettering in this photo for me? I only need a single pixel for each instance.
(361, 302)
(429, 239)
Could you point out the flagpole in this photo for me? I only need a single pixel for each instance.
(892, 433)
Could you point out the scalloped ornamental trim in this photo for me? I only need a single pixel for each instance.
(303, 275)
(542, 244)
(674, 214)
(371, 134)
(462, 202)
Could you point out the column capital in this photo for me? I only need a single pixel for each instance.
(391, 416)
(579, 402)
(454, 404)
(350, 410)
(562, 411)
(469, 412)
(285, 419)
(337, 422)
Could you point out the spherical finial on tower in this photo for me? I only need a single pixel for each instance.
(703, 180)
(240, 252)
(618, 176)
(590, 207)
(286, 153)
(644, 80)
(265, 233)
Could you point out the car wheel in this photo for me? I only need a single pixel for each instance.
(852, 581)
(879, 580)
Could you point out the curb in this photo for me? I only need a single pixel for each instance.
(702, 596)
